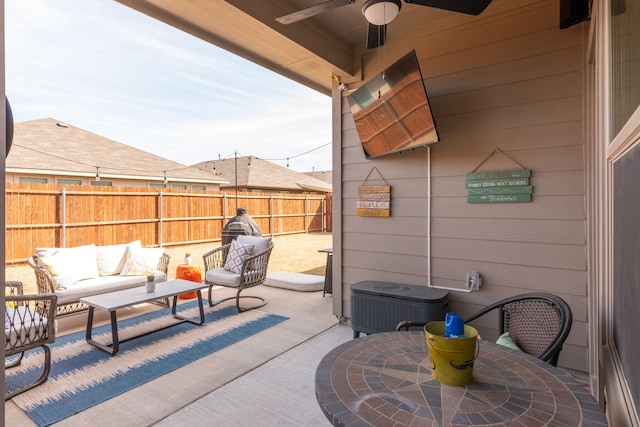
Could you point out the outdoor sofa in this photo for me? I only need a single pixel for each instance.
(82, 271)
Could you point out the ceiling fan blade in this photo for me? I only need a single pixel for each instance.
(313, 11)
(376, 36)
(470, 7)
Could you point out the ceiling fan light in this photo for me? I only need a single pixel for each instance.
(381, 12)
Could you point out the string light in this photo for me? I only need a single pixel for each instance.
(235, 154)
(301, 154)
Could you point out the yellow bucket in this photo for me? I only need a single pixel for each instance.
(452, 358)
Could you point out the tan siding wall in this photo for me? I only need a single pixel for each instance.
(511, 81)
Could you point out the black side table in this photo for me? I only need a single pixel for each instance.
(328, 284)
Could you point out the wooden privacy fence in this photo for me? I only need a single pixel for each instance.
(47, 215)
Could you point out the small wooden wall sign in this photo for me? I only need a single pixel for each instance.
(505, 186)
(374, 200)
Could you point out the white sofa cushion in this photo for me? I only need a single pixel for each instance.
(69, 265)
(112, 258)
(101, 285)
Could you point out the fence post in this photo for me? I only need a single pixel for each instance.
(63, 217)
(160, 218)
(306, 214)
(224, 209)
(324, 214)
(271, 219)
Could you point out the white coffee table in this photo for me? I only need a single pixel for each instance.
(113, 301)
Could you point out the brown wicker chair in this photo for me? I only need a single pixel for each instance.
(29, 323)
(538, 323)
(253, 273)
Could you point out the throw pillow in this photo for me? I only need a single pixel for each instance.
(505, 340)
(70, 265)
(45, 252)
(236, 256)
(112, 258)
(141, 261)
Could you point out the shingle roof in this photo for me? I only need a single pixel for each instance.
(50, 146)
(261, 174)
(326, 176)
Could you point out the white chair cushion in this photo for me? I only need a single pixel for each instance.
(7, 310)
(260, 244)
(223, 277)
(23, 325)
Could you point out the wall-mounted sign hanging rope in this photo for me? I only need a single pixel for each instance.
(502, 186)
(374, 200)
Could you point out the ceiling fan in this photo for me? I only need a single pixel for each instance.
(380, 12)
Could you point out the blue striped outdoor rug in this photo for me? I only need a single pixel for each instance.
(83, 376)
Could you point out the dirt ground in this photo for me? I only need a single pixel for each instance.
(297, 253)
(294, 252)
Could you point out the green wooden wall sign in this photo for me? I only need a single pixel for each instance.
(501, 182)
(521, 189)
(516, 173)
(503, 186)
(500, 198)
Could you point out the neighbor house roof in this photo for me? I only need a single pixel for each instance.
(326, 176)
(47, 146)
(261, 174)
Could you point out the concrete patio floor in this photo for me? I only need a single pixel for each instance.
(264, 380)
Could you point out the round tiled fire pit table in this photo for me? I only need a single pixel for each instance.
(385, 379)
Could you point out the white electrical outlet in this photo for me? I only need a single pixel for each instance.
(474, 281)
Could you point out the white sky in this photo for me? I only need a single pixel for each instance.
(103, 67)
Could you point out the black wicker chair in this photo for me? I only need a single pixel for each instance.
(538, 323)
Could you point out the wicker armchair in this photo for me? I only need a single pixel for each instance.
(29, 322)
(253, 271)
(538, 323)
